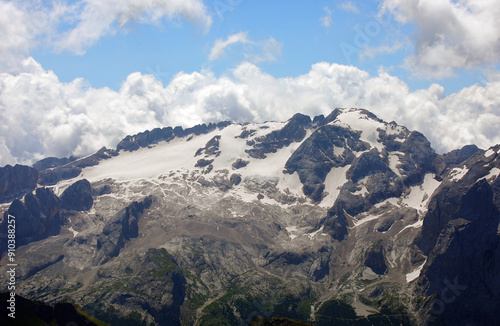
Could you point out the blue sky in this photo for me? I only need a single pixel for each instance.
(307, 32)
(67, 65)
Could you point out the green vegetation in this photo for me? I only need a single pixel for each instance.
(166, 262)
(242, 302)
(294, 308)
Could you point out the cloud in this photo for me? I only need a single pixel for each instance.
(17, 38)
(220, 45)
(371, 52)
(349, 6)
(326, 20)
(268, 51)
(449, 35)
(42, 116)
(76, 25)
(256, 52)
(97, 18)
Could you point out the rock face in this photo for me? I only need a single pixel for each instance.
(239, 163)
(78, 196)
(15, 181)
(457, 156)
(342, 219)
(146, 138)
(163, 281)
(335, 223)
(51, 162)
(314, 159)
(119, 229)
(293, 131)
(460, 236)
(71, 170)
(37, 218)
(375, 259)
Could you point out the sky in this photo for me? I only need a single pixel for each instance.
(77, 75)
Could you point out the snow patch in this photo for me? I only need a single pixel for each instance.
(357, 120)
(291, 231)
(420, 195)
(489, 152)
(415, 274)
(494, 173)
(335, 179)
(458, 173)
(363, 191)
(313, 234)
(417, 224)
(394, 162)
(178, 154)
(338, 151)
(392, 129)
(392, 201)
(75, 233)
(291, 183)
(366, 219)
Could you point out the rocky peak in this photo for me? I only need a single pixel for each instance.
(15, 181)
(78, 196)
(458, 156)
(119, 229)
(36, 218)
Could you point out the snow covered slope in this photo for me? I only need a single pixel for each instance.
(343, 206)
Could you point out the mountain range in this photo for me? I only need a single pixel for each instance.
(337, 220)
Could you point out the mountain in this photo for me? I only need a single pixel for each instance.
(37, 313)
(343, 219)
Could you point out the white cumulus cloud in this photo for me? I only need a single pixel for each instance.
(42, 116)
(76, 25)
(449, 35)
(97, 18)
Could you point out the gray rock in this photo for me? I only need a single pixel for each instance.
(16, 181)
(458, 156)
(293, 131)
(119, 229)
(37, 218)
(73, 169)
(463, 246)
(51, 162)
(201, 163)
(211, 148)
(315, 157)
(239, 163)
(375, 259)
(78, 196)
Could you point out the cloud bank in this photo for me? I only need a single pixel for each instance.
(449, 35)
(43, 117)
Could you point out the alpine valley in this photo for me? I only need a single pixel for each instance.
(337, 220)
